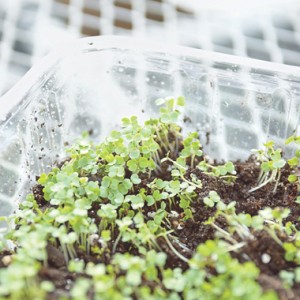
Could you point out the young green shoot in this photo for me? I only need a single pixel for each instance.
(271, 164)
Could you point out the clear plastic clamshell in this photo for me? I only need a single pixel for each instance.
(235, 103)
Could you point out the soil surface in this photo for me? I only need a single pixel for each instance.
(193, 231)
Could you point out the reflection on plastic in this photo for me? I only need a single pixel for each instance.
(235, 104)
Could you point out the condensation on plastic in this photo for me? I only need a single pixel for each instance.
(234, 103)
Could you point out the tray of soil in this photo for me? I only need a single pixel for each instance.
(165, 199)
(146, 214)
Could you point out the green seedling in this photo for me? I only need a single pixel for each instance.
(226, 172)
(271, 164)
(233, 279)
(294, 162)
(191, 148)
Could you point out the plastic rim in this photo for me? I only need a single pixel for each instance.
(98, 43)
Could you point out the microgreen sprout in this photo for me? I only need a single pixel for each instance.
(168, 129)
(191, 148)
(226, 172)
(271, 164)
(294, 162)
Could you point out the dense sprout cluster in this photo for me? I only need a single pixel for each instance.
(112, 210)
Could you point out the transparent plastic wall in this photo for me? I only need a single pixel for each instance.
(234, 103)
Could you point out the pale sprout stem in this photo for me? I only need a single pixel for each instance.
(83, 241)
(236, 246)
(157, 168)
(65, 252)
(88, 246)
(179, 243)
(175, 251)
(277, 181)
(176, 144)
(265, 177)
(156, 158)
(116, 243)
(274, 236)
(156, 244)
(171, 147)
(261, 185)
(71, 251)
(162, 141)
(189, 182)
(192, 161)
(244, 232)
(262, 177)
(226, 234)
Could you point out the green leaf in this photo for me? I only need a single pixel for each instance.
(212, 198)
(245, 219)
(175, 173)
(124, 223)
(76, 266)
(188, 214)
(292, 178)
(160, 101)
(26, 204)
(83, 161)
(229, 167)
(106, 235)
(208, 201)
(160, 183)
(105, 182)
(143, 162)
(47, 286)
(119, 198)
(269, 144)
(151, 273)
(290, 251)
(133, 277)
(43, 179)
(266, 166)
(136, 201)
(287, 277)
(157, 195)
(180, 101)
(126, 121)
(107, 211)
(95, 270)
(279, 163)
(150, 200)
(135, 179)
(257, 222)
(222, 170)
(135, 153)
(293, 162)
(297, 274)
(231, 205)
(132, 165)
(138, 219)
(290, 140)
(174, 116)
(184, 203)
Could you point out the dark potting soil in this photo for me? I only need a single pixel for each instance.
(193, 232)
